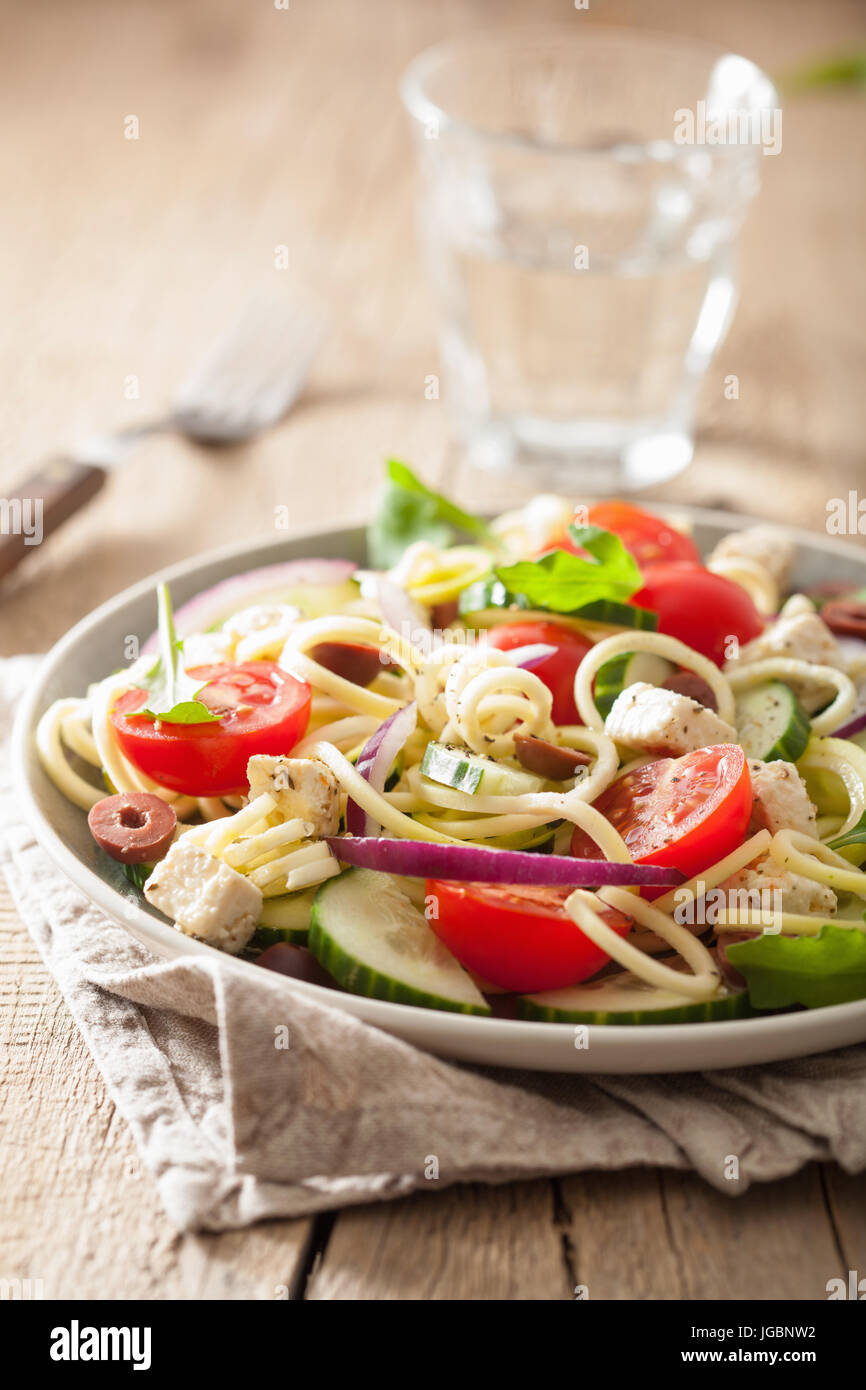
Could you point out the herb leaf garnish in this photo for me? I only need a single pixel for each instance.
(562, 582)
(173, 693)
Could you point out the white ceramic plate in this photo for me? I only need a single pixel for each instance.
(93, 648)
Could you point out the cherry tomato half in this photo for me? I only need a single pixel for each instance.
(685, 813)
(650, 539)
(556, 671)
(702, 609)
(264, 710)
(517, 937)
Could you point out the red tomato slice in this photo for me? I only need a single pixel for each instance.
(556, 671)
(684, 813)
(703, 610)
(519, 938)
(264, 709)
(650, 539)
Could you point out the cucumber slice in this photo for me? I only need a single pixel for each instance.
(487, 601)
(489, 592)
(539, 838)
(471, 772)
(286, 918)
(621, 671)
(375, 942)
(771, 723)
(613, 614)
(627, 999)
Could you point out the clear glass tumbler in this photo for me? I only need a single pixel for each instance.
(581, 192)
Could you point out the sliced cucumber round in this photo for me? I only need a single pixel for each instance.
(627, 999)
(613, 614)
(486, 593)
(374, 941)
(771, 723)
(286, 918)
(540, 837)
(471, 772)
(622, 671)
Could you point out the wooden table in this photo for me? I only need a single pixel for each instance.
(260, 128)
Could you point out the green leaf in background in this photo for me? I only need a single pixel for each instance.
(562, 582)
(835, 70)
(410, 511)
(829, 968)
(172, 692)
(852, 845)
(855, 836)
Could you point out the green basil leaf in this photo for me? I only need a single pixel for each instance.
(852, 845)
(173, 693)
(562, 582)
(829, 968)
(855, 836)
(410, 511)
(138, 874)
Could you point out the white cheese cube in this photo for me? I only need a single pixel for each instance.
(301, 787)
(204, 648)
(785, 892)
(780, 800)
(654, 720)
(205, 897)
(763, 544)
(803, 637)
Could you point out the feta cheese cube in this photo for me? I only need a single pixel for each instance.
(205, 897)
(204, 648)
(804, 637)
(780, 800)
(301, 787)
(763, 544)
(654, 720)
(784, 891)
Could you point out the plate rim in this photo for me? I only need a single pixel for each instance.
(440, 1025)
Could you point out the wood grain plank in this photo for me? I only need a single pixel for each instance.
(845, 1195)
(470, 1242)
(77, 1210)
(669, 1236)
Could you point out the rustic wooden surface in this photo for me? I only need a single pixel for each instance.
(261, 127)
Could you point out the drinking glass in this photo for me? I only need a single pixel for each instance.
(581, 192)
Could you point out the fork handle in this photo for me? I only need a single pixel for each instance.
(41, 504)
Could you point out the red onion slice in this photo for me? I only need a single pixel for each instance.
(854, 726)
(403, 614)
(476, 864)
(857, 720)
(527, 658)
(265, 585)
(375, 761)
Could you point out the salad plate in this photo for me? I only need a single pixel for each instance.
(95, 646)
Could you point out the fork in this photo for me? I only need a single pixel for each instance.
(249, 379)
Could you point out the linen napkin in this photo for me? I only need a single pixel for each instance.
(236, 1127)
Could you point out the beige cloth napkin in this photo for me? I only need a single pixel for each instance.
(235, 1129)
